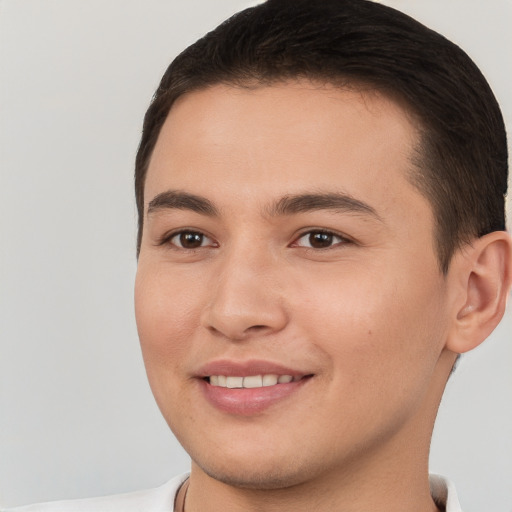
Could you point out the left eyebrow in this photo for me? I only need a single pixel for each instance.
(302, 203)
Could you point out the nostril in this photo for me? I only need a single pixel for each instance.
(256, 329)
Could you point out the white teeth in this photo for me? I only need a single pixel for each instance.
(270, 380)
(234, 382)
(254, 381)
(251, 381)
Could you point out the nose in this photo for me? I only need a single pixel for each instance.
(245, 298)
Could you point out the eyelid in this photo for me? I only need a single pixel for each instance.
(343, 238)
(168, 236)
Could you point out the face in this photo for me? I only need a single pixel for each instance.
(289, 301)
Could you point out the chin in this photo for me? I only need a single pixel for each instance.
(257, 480)
(258, 475)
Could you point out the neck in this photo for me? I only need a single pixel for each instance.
(382, 491)
(391, 476)
(394, 478)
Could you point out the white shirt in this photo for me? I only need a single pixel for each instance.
(161, 499)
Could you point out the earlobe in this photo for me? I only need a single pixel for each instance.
(485, 272)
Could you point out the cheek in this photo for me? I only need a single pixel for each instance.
(166, 317)
(376, 328)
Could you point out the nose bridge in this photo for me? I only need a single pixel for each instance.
(245, 297)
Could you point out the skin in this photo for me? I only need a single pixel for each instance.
(370, 316)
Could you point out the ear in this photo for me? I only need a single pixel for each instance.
(483, 275)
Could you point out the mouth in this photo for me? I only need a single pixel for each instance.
(250, 387)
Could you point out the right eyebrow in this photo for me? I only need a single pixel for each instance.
(176, 199)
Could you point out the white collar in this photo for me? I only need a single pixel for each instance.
(444, 493)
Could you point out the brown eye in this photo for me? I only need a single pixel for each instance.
(320, 240)
(190, 240)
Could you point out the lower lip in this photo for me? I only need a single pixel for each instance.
(246, 402)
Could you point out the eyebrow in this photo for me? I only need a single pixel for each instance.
(176, 199)
(287, 205)
(339, 202)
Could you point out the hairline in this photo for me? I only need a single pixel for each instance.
(418, 156)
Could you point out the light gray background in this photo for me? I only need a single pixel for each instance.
(76, 414)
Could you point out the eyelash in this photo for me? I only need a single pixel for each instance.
(167, 239)
(342, 240)
(324, 232)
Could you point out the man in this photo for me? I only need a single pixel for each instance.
(321, 232)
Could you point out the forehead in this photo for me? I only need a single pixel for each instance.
(286, 138)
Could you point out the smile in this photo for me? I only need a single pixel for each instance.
(251, 381)
(246, 388)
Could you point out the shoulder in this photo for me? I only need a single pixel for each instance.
(160, 499)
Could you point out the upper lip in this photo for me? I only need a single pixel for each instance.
(231, 368)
